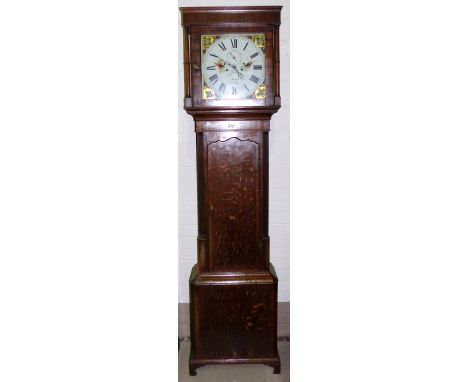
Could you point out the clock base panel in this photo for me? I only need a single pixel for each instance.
(233, 319)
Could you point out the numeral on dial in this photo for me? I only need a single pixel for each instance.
(254, 55)
(214, 78)
(213, 55)
(210, 67)
(234, 90)
(222, 87)
(254, 79)
(257, 67)
(222, 46)
(245, 45)
(234, 43)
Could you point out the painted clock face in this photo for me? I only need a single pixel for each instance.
(233, 66)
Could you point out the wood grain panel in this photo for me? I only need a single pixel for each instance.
(236, 321)
(231, 15)
(234, 209)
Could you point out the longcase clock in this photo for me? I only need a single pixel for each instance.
(231, 71)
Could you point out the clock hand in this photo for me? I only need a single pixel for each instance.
(235, 59)
(239, 74)
(231, 65)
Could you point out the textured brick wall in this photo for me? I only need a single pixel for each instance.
(279, 168)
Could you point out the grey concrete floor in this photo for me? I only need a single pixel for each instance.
(234, 373)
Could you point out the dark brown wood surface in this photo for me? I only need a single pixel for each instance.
(235, 319)
(233, 287)
(234, 203)
(242, 328)
(235, 16)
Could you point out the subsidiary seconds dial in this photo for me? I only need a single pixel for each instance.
(233, 67)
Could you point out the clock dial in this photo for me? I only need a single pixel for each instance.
(233, 67)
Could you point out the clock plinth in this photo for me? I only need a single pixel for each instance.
(233, 286)
(235, 319)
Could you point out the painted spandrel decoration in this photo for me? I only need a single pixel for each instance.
(233, 66)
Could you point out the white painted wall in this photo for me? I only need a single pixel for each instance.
(279, 167)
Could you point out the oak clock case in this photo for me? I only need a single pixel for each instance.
(231, 88)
